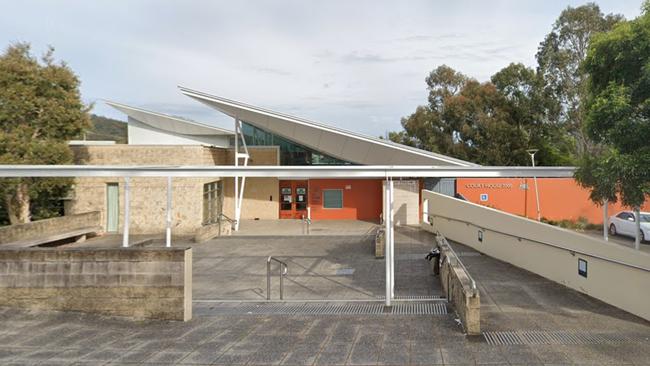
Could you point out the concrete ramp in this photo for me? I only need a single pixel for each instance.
(611, 273)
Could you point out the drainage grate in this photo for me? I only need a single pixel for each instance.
(415, 297)
(559, 337)
(328, 309)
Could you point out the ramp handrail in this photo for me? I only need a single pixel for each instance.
(574, 251)
(306, 222)
(283, 271)
(462, 265)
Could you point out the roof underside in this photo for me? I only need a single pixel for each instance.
(169, 123)
(345, 145)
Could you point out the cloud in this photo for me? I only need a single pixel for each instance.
(353, 64)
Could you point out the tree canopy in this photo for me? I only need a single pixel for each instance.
(618, 113)
(40, 111)
(495, 122)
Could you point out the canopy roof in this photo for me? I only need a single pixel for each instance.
(169, 123)
(336, 142)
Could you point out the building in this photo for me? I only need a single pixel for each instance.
(259, 137)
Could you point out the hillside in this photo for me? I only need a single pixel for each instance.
(107, 129)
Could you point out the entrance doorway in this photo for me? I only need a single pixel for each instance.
(293, 199)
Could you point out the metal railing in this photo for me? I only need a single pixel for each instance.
(444, 242)
(223, 217)
(306, 224)
(284, 269)
(520, 238)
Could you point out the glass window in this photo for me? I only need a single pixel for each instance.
(332, 198)
(291, 153)
(212, 202)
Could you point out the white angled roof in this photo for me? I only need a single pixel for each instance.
(169, 123)
(336, 142)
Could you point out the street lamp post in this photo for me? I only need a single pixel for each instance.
(532, 159)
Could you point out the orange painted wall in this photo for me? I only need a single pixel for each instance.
(560, 198)
(362, 199)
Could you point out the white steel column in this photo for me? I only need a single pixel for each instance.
(605, 219)
(392, 239)
(168, 231)
(387, 224)
(239, 192)
(125, 229)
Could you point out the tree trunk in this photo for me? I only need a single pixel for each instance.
(18, 205)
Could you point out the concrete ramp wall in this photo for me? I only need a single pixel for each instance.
(612, 273)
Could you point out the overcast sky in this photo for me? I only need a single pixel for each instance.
(359, 65)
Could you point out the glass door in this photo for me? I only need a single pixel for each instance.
(112, 207)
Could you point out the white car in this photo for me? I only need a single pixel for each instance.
(624, 223)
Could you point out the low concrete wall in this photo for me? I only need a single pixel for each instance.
(151, 283)
(48, 227)
(615, 274)
(457, 286)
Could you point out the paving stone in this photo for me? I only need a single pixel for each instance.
(165, 358)
(425, 354)
(456, 355)
(334, 354)
(395, 354)
(303, 354)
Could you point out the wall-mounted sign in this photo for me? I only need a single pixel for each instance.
(488, 185)
(348, 186)
(484, 197)
(582, 267)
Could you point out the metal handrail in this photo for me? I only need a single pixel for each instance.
(284, 269)
(572, 251)
(232, 222)
(306, 223)
(446, 243)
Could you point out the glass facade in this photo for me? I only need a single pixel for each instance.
(291, 153)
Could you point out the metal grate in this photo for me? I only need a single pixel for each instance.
(416, 297)
(421, 308)
(560, 337)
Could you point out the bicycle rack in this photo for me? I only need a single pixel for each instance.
(284, 269)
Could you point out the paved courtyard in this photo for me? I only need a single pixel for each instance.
(320, 267)
(526, 320)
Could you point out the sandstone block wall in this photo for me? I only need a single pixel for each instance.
(148, 196)
(153, 283)
(261, 195)
(456, 284)
(49, 227)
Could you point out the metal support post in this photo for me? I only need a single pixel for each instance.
(392, 240)
(168, 231)
(605, 219)
(637, 221)
(125, 230)
(387, 240)
(239, 192)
